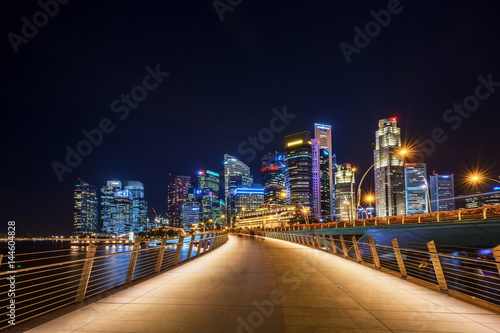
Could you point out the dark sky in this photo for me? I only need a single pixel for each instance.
(225, 79)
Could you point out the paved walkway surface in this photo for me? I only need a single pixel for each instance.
(265, 285)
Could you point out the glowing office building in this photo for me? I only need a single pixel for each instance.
(139, 205)
(273, 178)
(122, 213)
(298, 176)
(107, 200)
(85, 208)
(247, 199)
(177, 196)
(323, 133)
(191, 214)
(416, 188)
(389, 170)
(345, 193)
(442, 190)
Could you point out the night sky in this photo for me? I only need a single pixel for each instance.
(225, 78)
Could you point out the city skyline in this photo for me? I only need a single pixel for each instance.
(236, 87)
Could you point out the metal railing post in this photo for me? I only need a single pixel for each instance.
(200, 241)
(160, 254)
(84, 278)
(436, 263)
(306, 236)
(312, 240)
(373, 249)
(207, 239)
(133, 260)
(344, 248)
(356, 248)
(399, 258)
(496, 254)
(191, 243)
(324, 242)
(334, 247)
(179, 248)
(317, 240)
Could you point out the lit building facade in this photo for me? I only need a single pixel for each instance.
(177, 196)
(298, 176)
(107, 201)
(122, 213)
(325, 185)
(323, 133)
(139, 205)
(85, 208)
(416, 188)
(191, 214)
(316, 189)
(389, 170)
(247, 199)
(442, 190)
(208, 181)
(273, 178)
(233, 167)
(345, 193)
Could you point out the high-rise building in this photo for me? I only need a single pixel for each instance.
(177, 196)
(208, 181)
(233, 167)
(389, 170)
(107, 201)
(345, 193)
(139, 205)
(191, 214)
(325, 184)
(122, 212)
(273, 178)
(323, 133)
(85, 209)
(316, 198)
(442, 190)
(298, 176)
(416, 188)
(247, 199)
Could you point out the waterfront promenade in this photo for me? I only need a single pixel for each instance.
(267, 285)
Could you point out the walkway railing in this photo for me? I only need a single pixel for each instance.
(483, 213)
(472, 279)
(55, 281)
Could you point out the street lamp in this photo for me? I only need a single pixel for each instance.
(478, 178)
(402, 152)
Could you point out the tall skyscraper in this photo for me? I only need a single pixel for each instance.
(389, 170)
(122, 212)
(208, 181)
(299, 184)
(233, 167)
(177, 196)
(325, 184)
(416, 188)
(85, 209)
(442, 190)
(323, 133)
(316, 198)
(273, 178)
(139, 205)
(345, 193)
(107, 201)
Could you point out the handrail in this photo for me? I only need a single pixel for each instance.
(475, 280)
(95, 274)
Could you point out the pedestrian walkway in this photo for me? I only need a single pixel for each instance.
(267, 285)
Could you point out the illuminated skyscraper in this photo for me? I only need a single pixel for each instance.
(416, 188)
(325, 185)
(139, 205)
(240, 172)
(389, 170)
(316, 199)
(345, 193)
(85, 209)
(208, 181)
(323, 133)
(107, 200)
(299, 183)
(273, 178)
(122, 214)
(442, 189)
(191, 214)
(177, 196)
(248, 199)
